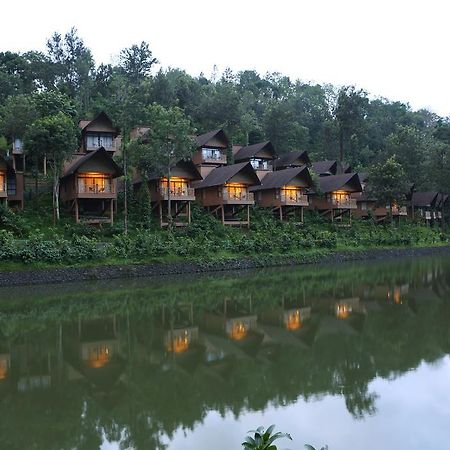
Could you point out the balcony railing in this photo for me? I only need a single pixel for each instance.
(299, 199)
(238, 197)
(93, 147)
(398, 210)
(344, 203)
(3, 189)
(220, 159)
(95, 190)
(177, 194)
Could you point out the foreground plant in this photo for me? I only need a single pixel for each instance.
(263, 440)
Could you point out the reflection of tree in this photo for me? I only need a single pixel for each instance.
(153, 393)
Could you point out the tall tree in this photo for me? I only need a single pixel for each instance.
(53, 137)
(137, 61)
(388, 183)
(350, 112)
(168, 141)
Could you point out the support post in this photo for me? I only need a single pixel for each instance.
(112, 212)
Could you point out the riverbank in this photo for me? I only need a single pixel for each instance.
(106, 272)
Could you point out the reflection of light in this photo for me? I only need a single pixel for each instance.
(179, 344)
(343, 310)
(293, 320)
(4, 366)
(397, 296)
(238, 331)
(99, 356)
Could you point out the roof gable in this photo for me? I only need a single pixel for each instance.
(325, 167)
(292, 159)
(255, 150)
(424, 198)
(221, 175)
(101, 123)
(349, 182)
(101, 153)
(298, 176)
(203, 139)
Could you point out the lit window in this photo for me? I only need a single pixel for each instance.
(211, 153)
(178, 186)
(94, 183)
(236, 191)
(2, 182)
(291, 193)
(98, 140)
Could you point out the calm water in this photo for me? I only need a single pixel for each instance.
(356, 357)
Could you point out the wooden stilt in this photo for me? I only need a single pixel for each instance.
(189, 212)
(223, 215)
(281, 213)
(77, 213)
(302, 218)
(248, 216)
(112, 211)
(160, 215)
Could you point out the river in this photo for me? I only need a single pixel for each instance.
(355, 356)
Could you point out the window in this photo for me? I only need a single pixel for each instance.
(236, 191)
(94, 183)
(340, 198)
(259, 164)
(97, 140)
(18, 145)
(291, 193)
(11, 185)
(2, 182)
(211, 153)
(178, 186)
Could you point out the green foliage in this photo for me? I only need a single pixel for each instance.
(264, 439)
(388, 183)
(310, 447)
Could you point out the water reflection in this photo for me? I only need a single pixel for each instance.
(136, 362)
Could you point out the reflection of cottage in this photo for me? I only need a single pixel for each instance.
(5, 365)
(346, 307)
(234, 329)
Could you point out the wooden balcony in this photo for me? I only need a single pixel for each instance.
(98, 191)
(296, 200)
(349, 203)
(242, 198)
(398, 210)
(92, 148)
(186, 194)
(221, 159)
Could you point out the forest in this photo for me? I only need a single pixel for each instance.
(330, 122)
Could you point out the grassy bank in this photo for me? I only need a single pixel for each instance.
(27, 243)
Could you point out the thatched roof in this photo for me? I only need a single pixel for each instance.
(251, 151)
(221, 175)
(325, 167)
(292, 159)
(283, 177)
(348, 181)
(203, 139)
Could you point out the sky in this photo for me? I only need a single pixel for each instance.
(396, 49)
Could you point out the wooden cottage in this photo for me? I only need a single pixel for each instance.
(285, 191)
(98, 133)
(181, 193)
(292, 159)
(11, 185)
(225, 192)
(336, 200)
(211, 151)
(88, 186)
(260, 156)
(428, 206)
(366, 204)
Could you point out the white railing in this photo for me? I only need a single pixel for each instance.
(214, 158)
(297, 199)
(108, 188)
(349, 203)
(398, 210)
(242, 196)
(177, 193)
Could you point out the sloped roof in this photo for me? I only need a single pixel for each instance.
(289, 158)
(9, 166)
(424, 198)
(336, 182)
(250, 151)
(202, 139)
(188, 165)
(325, 167)
(441, 199)
(282, 177)
(222, 175)
(75, 165)
(102, 117)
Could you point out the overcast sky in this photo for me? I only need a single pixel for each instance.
(397, 49)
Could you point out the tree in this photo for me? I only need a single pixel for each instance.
(388, 183)
(137, 61)
(53, 137)
(350, 112)
(168, 141)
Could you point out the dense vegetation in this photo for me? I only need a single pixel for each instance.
(330, 122)
(26, 238)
